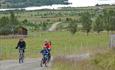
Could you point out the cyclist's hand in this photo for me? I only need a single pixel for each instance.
(16, 47)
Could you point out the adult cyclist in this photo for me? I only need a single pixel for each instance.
(21, 46)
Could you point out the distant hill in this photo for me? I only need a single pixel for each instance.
(26, 3)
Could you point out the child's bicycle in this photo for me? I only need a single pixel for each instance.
(44, 60)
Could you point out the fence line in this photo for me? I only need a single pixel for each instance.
(12, 36)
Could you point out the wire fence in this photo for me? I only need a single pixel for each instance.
(13, 36)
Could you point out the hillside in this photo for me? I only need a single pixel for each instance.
(26, 3)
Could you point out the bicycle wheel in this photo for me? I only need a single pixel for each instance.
(21, 56)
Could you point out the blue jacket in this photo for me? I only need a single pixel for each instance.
(44, 52)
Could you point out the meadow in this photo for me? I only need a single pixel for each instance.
(63, 43)
(43, 15)
(100, 60)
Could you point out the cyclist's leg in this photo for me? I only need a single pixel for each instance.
(49, 57)
(46, 65)
(41, 64)
(19, 56)
(46, 60)
(23, 56)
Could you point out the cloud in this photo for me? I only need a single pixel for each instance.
(90, 2)
(103, 0)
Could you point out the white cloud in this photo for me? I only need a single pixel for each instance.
(106, 1)
(90, 2)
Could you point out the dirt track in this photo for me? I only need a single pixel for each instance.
(54, 26)
(34, 64)
(30, 64)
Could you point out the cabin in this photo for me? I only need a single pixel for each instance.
(22, 31)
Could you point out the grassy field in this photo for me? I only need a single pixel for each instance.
(63, 43)
(54, 15)
(43, 16)
(104, 60)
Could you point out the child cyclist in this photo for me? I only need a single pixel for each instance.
(47, 45)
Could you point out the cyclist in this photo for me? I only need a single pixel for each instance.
(21, 46)
(48, 46)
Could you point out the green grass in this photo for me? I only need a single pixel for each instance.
(43, 16)
(63, 43)
(104, 60)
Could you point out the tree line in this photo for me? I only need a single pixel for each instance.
(10, 24)
(101, 21)
(27, 3)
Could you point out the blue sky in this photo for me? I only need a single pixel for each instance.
(77, 3)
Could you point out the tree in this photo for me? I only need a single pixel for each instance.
(98, 25)
(86, 22)
(8, 24)
(68, 19)
(106, 20)
(13, 19)
(25, 22)
(112, 20)
(72, 27)
(4, 26)
(97, 5)
(4, 21)
(14, 23)
(109, 18)
(112, 27)
(44, 26)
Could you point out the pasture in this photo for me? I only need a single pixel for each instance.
(43, 16)
(63, 44)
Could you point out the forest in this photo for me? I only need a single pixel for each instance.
(27, 3)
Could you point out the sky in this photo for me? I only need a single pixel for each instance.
(77, 3)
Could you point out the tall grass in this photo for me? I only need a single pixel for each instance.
(99, 61)
(63, 43)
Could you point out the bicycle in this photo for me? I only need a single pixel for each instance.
(44, 60)
(21, 55)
